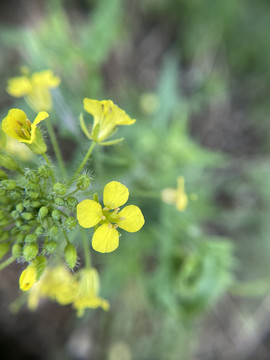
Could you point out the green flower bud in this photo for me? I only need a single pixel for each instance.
(27, 215)
(4, 248)
(35, 204)
(31, 176)
(40, 262)
(26, 227)
(14, 231)
(39, 230)
(19, 207)
(53, 231)
(60, 188)
(18, 223)
(15, 214)
(70, 254)
(70, 223)
(30, 238)
(4, 236)
(32, 194)
(8, 162)
(3, 175)
(8, 184)
(15, 194)
(59, 201)
(56, 214)
(17, 250)
(50, 246)
(43, 211)
(30, 252)
(27, 204)
(83, 181)
(45, 171)
(72, 202)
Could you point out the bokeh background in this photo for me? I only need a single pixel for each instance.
(191, 285)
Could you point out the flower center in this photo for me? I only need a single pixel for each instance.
(111, 217)
(24, 129)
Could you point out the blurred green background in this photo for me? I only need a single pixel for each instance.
(191, 285)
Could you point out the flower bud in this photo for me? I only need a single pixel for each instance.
(27, 215)
(35, 204)
(45, 171)
(43, 211)
(50, 246)
(17, 250)
(70, 255)
(15, 194)
(31, 176)
(70, 223)
(59, 201)
(8, 184)
(30, 252)
(3, 175)
(15, 214)
(27, 203)
(83, 181)
(39, 230)
(53, 231)
(25, 227)
(72, 202)
(28, 277)
(40, 263)
(56, 214)
(30, 238)
(59, 188)
(18, 223)
(4, 235)
(19, 207)
(4, 247)
(8, 162)
(32, 194)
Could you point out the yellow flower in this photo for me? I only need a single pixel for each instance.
(87, 295)
(18, 126)
(107, 116)
(57, 284)
(90, 213)
(28, 277)
(176, 196)
(35, 88)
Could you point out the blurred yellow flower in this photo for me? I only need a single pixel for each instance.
(35, 89)
(18, 126)
(176, 196)
(90, 213)
(28, 277)
(88, 289)
(107, 116)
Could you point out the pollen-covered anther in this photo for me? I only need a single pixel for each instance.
(110, 225)
(103, 217)
(106, 208)
(121, 218)
(115, 226)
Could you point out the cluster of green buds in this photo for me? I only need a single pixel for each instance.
(36, 213)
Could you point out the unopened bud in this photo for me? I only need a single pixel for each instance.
(45, 171)
(59, 201)
(32, 194)
(50, 246)
(35, 204)
(60, 188)
(19, 207)
(72, 202)
(4, 247)
(31, 176)
(39, 230)
(70, 255)
(8, 184)
(56, 215)
(8, 162)
(30, 238)
(53, 231)
(17, 250)
(83, 181)
(70, 223)
(27, 215)
(43, 211)
(30, 252)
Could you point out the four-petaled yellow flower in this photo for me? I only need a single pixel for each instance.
(87, 295)
(18, 126)
(107, 116)
(28, 277)
(90, 213)
(176, 196)
(35, 89)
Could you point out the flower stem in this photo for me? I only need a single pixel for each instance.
(56, 148)
(49, 163)
(7, 262)
(89, 152)
(86, 250)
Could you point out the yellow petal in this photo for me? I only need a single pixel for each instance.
(10, 123)
(115, 194)
(105, 239)
(40, 116)
(93, 107)
(130, 218)
(19, 86)
(45, 78)
(28, 278)
(89, 213)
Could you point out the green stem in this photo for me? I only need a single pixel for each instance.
(86, 250)
(66, 237)
(56, 148)
(49, 163)
(6, 263)
(146, 194)
(89, 152)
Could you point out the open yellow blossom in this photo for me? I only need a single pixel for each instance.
(107, 116)
(176, 196)
(28, 277)
(56, 284)
(18, 126)
(90, 213)
(88, 289)
(35, 89)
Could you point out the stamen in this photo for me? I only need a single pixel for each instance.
(20, 133)
(103, 217)
(115, 226)
(18, 122)
(28, 122)
(110, 225)
(121, 218)
(106, 208)
(26, 133)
